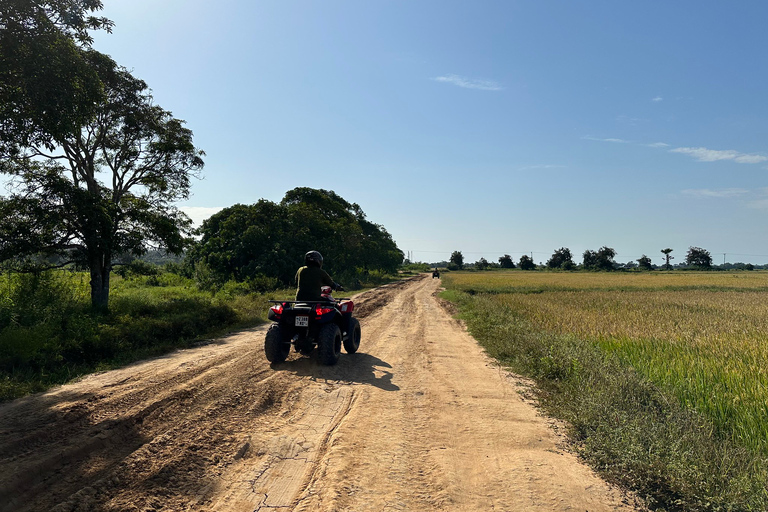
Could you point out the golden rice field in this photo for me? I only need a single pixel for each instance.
(702, 336)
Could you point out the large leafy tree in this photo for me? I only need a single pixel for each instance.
(506, 261)
(526, 263)
(698, 257)
(602, 259)
(266, 239)
(561, 258)
(106, 189)
(245, 241)
(457, 259)
(47, 88)
(644, 262)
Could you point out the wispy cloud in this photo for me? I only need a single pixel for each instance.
(715, 193)
(657, 99)
(469, 83)
(623, 141)
(714, 155)
(620, 141)
(700, 154)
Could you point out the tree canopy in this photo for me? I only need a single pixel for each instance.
(506, 261)
(644, 262)
(698, 257)
(526, 263)
(602, 259)
(47, 87)
(457, 259)
(103, 190)
(561, 258)
(266, 239)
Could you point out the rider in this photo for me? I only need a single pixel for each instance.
(311, 278)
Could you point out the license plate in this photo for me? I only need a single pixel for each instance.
(302, 321)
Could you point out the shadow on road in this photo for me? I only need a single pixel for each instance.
(352, 368)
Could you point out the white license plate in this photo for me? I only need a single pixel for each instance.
(302, 321)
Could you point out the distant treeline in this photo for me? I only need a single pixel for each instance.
(602, 259)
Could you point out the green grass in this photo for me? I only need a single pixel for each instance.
(49, 335)
(660, 376)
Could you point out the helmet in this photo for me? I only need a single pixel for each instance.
(313, 258)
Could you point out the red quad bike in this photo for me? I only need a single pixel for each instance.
(325, 324)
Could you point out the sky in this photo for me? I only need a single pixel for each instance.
(488, 127)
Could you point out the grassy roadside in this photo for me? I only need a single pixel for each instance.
(637, 433)
(49, 335)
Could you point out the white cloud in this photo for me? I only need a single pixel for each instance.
(199, 213)
(714, 155)
(658, 145)
(708, 193)
(470, 83)
(620, 141)
(657, 99)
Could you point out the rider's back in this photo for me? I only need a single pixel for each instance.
(310, 279)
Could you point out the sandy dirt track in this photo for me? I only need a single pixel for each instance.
(418, 420)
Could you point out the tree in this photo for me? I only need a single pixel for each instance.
(644, 262)
(526, 263)
(268, 240)
(602, 259)
(457, 259)
(48, 89)
(589, 259)
(102, 191)
(698, 257)
(481, 264)
(506, 261)
(665, 252)
(605, 257)
(561, 258)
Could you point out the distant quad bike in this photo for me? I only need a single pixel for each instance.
(326, 324)
(435, 274)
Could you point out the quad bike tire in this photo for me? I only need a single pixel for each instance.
(329, 344)
(352, 343)
(277, 344)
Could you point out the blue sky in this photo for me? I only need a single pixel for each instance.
(488, 127)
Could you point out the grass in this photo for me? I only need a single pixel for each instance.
(49, 334)
(662, 376)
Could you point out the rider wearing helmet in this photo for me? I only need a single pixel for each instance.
(311, 278)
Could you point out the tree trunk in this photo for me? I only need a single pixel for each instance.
(100, 286)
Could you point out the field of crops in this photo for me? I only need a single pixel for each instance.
(662, 377)
(702, 336)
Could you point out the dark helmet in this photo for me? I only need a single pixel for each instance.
(313, 258)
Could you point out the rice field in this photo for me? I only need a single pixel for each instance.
(699, 336)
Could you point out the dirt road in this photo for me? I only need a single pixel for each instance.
(418, 420)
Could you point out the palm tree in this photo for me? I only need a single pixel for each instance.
(666, 252)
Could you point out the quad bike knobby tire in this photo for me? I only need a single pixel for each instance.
(277, 345)
(352, 343)
(329, 344)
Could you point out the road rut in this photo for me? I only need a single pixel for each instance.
(420, 419)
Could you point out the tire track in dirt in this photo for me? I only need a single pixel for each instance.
(418, 419)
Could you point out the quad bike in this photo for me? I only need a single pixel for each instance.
(435, 274)
(327, 324)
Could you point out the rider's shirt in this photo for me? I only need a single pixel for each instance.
(310, 280)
